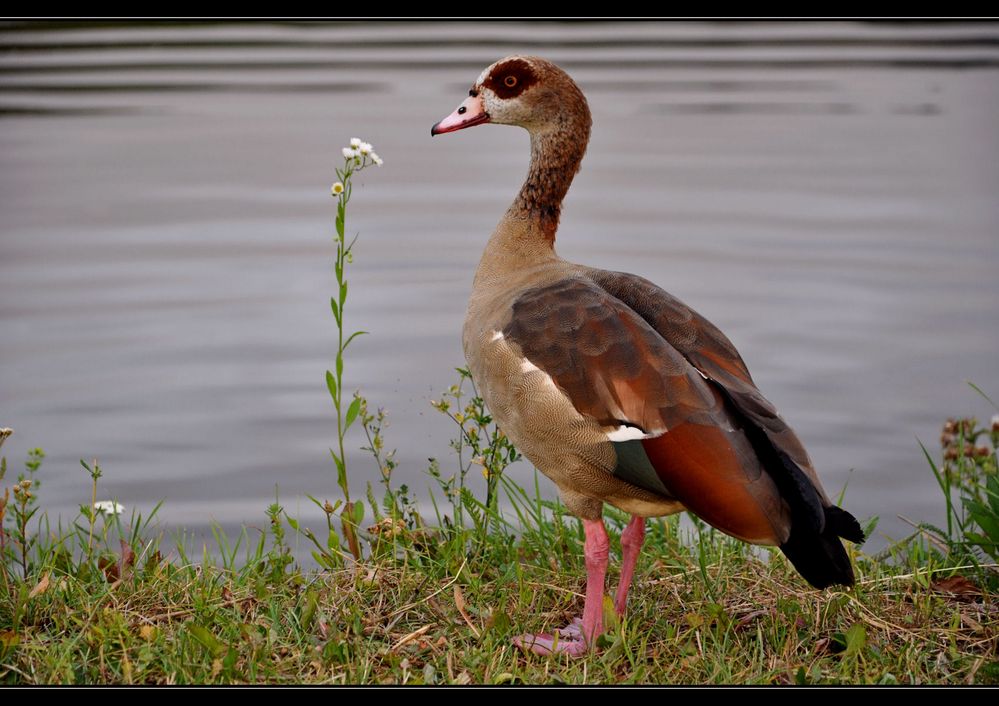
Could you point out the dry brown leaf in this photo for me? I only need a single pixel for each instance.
(8, 639)
(823, 647)
(745, 621)
(971, 623)
(109, 567)
(411, 636)
(957, 587)
(40, 587)
(127, 556)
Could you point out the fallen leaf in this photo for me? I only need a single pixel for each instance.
(463, 678)
(40, 587)
(206, 638)
(745, 621)
(971, 623)
(411, 636)
(110, 568)
(694, 620)
(856, 638)
(822, 647)
(127, 558)
(8, 639)
(957, 587)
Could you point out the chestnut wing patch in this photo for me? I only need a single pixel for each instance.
(612, 364)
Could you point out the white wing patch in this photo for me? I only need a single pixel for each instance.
(627, 433)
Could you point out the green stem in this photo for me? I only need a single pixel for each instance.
(24, 539)
(93, 515)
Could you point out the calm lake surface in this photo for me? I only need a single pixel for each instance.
(826, 193)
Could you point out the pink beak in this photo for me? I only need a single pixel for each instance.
(470, 112)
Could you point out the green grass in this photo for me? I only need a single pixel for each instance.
(432, 605)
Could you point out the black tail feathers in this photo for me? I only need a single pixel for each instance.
(821, 558)
(842, 524)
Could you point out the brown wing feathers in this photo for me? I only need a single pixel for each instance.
(813, 545)
(627, 353)
(618, 370)
(608, 360)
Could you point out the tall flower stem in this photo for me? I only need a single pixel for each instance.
(357, 157)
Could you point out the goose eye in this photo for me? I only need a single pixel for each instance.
(510, 81)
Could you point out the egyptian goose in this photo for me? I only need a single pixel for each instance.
(616, 390)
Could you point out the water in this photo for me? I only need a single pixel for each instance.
(825, 193)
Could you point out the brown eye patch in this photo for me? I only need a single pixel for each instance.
(511, 78)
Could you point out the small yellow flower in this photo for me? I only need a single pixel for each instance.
(336, 189)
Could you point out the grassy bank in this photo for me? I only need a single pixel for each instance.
(101, 603)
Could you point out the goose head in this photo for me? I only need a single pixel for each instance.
(526, 91)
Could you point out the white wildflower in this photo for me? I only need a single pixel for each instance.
(355, 142)
(337, 188)
(109, 507)
(376, 159)
(348, 153)
(364, 148)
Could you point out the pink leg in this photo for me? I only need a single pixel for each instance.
(631, 547)
(577, 638)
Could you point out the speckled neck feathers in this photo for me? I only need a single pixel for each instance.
(556, 152)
